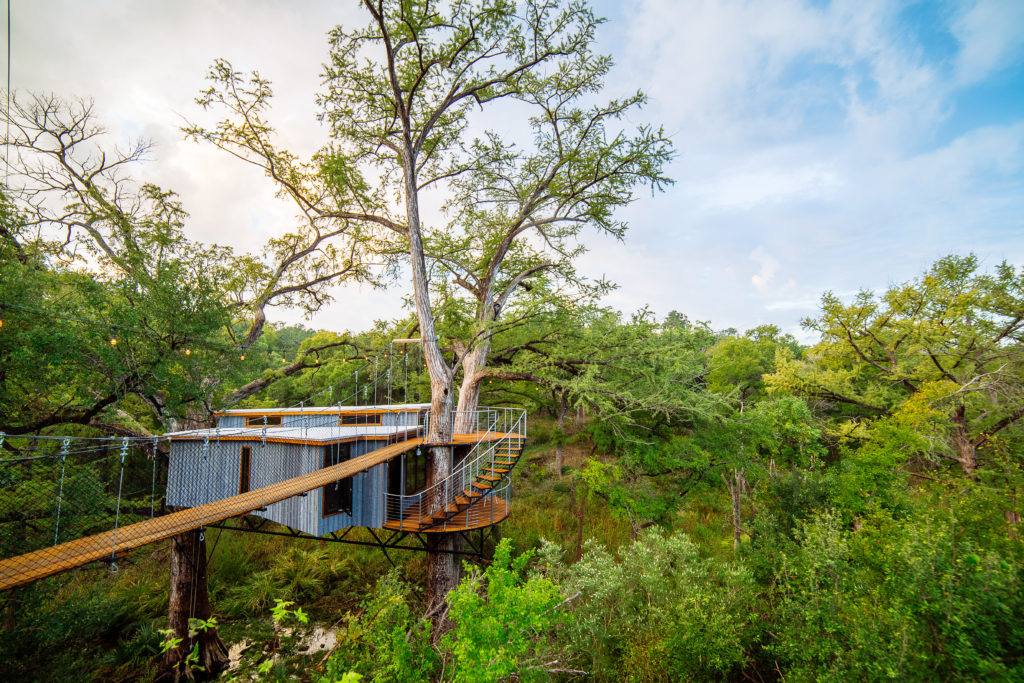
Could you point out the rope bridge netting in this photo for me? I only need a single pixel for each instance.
(56, 490)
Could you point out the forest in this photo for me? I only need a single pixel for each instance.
(694, 503)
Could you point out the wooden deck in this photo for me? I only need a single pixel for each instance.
(22, 569)
(484, 513)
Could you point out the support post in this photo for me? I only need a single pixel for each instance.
(190, 599)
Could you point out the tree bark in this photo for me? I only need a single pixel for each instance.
(966, 451)
(442, 567)
(469, 393)
(563, 407)
(734, 482)
(579, 531)
(190, 599)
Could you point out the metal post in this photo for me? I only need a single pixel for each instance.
(263, 461)
(152, 487)
(206, 478)
(117, 510)
(60, 491)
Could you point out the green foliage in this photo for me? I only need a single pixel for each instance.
(299, 574)
(903, 600)
(386, 642)
(939, 357)
(662, 612)
(503, 621)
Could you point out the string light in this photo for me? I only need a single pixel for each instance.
(188, 352)
(1, 323)
(113, 341)
(242, 357)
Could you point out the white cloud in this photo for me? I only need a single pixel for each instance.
(808, 138)
(769, 268)
(991, 34)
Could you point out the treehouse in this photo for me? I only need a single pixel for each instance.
(378, 452)
(316, 471)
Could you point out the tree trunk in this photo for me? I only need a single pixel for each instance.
(734, 483)
(966, 451)
(469, 393)
(579, 531)
(189, 599)
(562, 408)
(442, 567)
(11, 611)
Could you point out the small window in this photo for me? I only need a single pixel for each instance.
(364, 419)
(337, 496)
(245, 473)
(257, 421)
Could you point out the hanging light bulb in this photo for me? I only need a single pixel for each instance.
(242, 357)
(188, 352)
(113, 341)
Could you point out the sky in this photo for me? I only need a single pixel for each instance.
(820, 146)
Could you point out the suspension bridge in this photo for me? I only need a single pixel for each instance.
(474, 495)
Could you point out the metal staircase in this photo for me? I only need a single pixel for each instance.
(476, 494)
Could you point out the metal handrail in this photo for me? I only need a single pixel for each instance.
(443, 494)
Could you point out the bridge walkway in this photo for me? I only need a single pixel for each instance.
(39, 564)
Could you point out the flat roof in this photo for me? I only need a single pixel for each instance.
(297, 434)
(328, 410)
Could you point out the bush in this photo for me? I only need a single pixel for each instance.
(660, 613)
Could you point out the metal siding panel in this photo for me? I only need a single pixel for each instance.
(231, 421)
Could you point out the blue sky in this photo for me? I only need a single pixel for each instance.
(821, 145)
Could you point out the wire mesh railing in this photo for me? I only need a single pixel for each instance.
(477, 488)
(53, 492)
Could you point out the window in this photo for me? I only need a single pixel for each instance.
(245, 473)
(257, 421)
(352, 419)
(337, 497)
(415, 472)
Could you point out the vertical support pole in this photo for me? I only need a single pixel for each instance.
(263, 461)
(357, 388)
(204, 471)
(117, 510)
(152, 485)
(60, 492)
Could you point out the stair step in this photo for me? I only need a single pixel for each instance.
(487, 477)
(482, 485)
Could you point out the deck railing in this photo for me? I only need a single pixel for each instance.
(475, 493)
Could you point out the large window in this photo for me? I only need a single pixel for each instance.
(337, 496)
(415, 471)
(359, 419)
(257, 421)
(245, 471)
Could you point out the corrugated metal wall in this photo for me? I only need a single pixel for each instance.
(198, 475)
